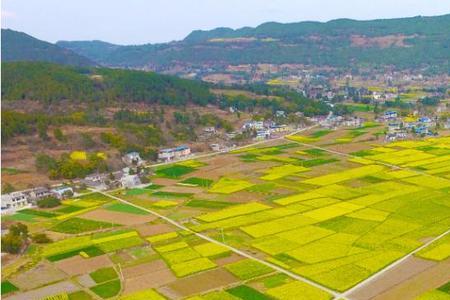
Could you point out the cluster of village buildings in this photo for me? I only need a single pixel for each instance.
(30, 197)
(402, 128)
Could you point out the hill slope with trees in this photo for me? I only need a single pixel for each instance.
(19, 46)
(405, 43)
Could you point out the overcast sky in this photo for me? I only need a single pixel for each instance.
(153, 21)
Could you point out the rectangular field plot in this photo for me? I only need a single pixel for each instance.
(282, 171)
(228, 185)
(297, 290)
(345, 175)
(237, 210)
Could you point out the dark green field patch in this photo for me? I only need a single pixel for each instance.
(317, 162)
(174, 171)
(203, 182)
(315, 152)
(445, 288)
(247, 293)
(136, 192)
(91, 251)
(68, 209)
(162, 194)
(104, 274)
(39, 213)
(208, 204)
(20, 217)
(108, 289)
(249, 157)
(125, 208)
(363, 153)
(320, 133)
(80, 295)
(79, 225)
(275, 280)
(8, 287)
(153, 186)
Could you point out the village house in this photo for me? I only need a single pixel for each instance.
(129, 181)
(174, 153)
(14, 200)
(97, 181)
(209, 130)
(390, 115)
(278, 128)
(132, 158)
(62, 192)
(262, 134)
(394, 127)
(353, 122)
(253, 125)
(38, 193)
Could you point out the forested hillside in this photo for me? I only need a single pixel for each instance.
(18, 46)
(49, 82)
(405, 43)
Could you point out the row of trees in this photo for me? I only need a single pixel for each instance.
(67, 168)
(18, 236)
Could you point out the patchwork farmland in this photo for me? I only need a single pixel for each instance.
(308, 217)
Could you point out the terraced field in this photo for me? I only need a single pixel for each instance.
(284, 221)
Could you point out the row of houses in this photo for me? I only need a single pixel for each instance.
(30, 197)
(170, 154)
(333, 122)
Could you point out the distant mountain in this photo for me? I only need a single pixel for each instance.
(19, 46)
(404, 43)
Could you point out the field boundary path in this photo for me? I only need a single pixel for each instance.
(237, 251)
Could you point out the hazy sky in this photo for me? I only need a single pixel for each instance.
(151, 21)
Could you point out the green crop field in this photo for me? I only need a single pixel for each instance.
(333, 219)
(79, 225)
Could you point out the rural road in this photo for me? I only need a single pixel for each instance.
(237, 251)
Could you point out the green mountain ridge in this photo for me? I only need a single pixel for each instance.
(406, 43)
(19, 46)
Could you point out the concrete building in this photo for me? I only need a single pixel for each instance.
(174, 153)
(15, 200)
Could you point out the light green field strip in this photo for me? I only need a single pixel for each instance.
(344, 175)
(282, 171)
(237, 210)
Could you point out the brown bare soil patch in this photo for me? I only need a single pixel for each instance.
(54, 289)
(202, 282)
(143, 269)
(228, 260)
(164, 181)
(117, 217)
(147, 230)
(394, 279)
(145, 276)
(379, 41)
(429, 279)
(44, 273)
(77, 265)
(182, 189)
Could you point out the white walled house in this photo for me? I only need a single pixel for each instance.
(14, 200)
(174, 153)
